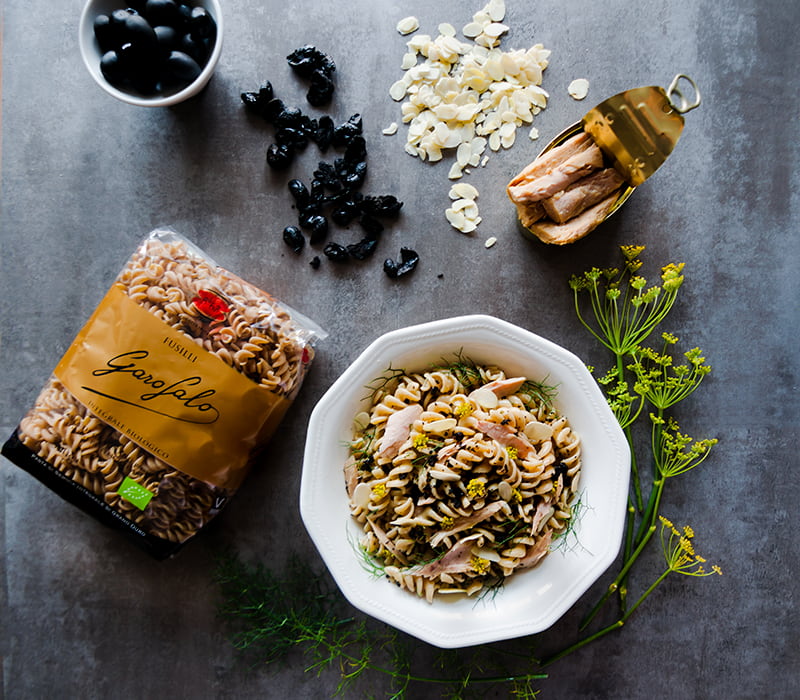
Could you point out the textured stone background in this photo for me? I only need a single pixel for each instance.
(84, 178)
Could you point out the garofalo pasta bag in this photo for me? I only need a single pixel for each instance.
(153, 416)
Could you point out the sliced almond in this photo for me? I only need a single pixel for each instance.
(538, 432)
(485, 398)
(408, 25)
(440, 426)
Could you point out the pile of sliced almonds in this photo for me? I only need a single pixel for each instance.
(467, 96)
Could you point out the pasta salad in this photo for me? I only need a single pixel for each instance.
(460, 476)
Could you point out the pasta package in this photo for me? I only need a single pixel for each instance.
(166, 397)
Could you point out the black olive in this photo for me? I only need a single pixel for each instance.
(279, 157)
(140, 68)
(336, 252)
(363, 249)
(164, 12)
(293, 238)
(139, 33)
(167, 39)
(408, 261)
(202, 24)
(182, 67)
(299, 192)
(118, 17)
(108, 35)
(198, 49)
(111, 68)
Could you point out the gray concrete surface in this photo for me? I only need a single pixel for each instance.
(84, 178)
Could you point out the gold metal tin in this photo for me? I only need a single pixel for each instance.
(636, 129)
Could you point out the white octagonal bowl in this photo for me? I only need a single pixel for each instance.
(530, 601)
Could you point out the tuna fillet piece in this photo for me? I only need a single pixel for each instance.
(529, 212)
(556, 169)
(560, 177)
(398, 427)
(555, 156)
(578, 227)
(581, 195)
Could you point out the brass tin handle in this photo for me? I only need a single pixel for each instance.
(680, 103)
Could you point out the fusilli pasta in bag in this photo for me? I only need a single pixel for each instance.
(157, 410)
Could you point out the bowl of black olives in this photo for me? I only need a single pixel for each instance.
(152, 53)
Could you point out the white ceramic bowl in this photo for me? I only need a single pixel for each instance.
(530, 601)
(91, 54)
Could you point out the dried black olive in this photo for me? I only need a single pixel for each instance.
(327, 175)
(272, 109)
(279, 157)
(315, 261)
(371, 226)
(408, 261)
(317, 191)
(344, 133)
(355, 177)
(324, 134)
(345, 210)
(336, 252)
(299, 192)
(363, 249)
(356, 150)
(307, 59)
(293, 238)
(289, 117)
(317, 224)
(308, 126)
(384, 205)
(321, 91)
(291, 137)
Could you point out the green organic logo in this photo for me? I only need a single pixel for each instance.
(135, 493)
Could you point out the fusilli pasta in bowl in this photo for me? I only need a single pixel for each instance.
(477, 467)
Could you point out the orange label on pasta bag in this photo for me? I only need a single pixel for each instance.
(167, 394)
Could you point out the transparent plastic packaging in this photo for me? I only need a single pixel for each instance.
(168, 394)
